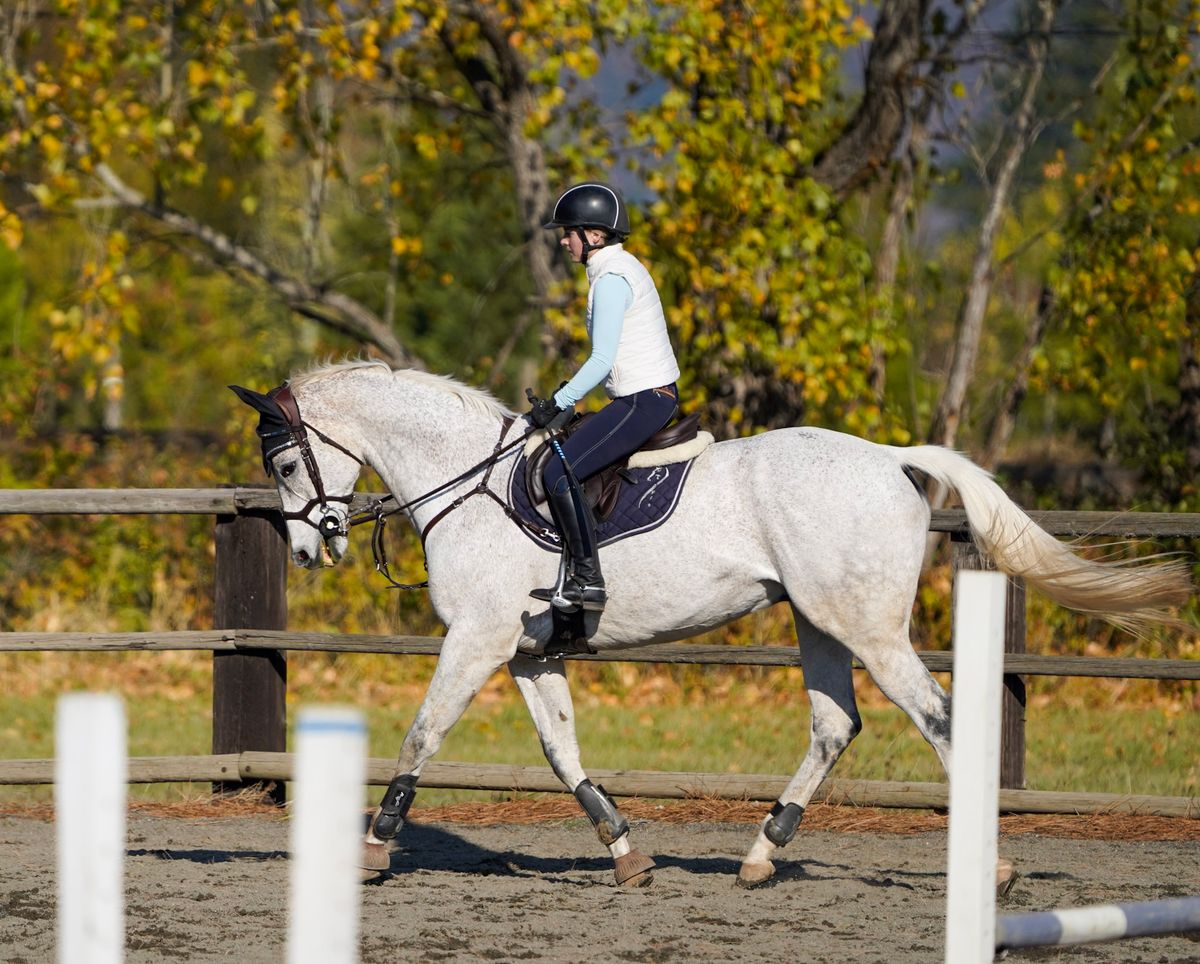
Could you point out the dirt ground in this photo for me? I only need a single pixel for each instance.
(215, 888)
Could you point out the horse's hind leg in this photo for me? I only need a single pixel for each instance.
(544, 686)
(835, 722)
(903, 678)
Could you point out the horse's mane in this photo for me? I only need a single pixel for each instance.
(475, 398)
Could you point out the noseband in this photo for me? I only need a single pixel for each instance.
(294, 434)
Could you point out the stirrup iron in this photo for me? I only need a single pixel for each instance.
(548, 594)
(574, 596)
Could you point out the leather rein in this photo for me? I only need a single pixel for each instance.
(378, 510)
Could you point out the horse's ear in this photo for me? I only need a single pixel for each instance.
(263, 404)
(273, 429)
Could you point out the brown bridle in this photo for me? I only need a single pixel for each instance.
(295, 434)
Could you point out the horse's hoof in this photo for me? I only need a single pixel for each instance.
(634, 869)
(1006, 878)
(375, 857)
(751, 875)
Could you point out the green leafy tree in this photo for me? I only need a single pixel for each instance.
(766, 284)
(167, 115)
(1126, 256)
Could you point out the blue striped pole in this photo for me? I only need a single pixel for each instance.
(1081, 925)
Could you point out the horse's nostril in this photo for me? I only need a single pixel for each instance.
(302, 556)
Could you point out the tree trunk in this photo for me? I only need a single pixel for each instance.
(865, 146)
(505, 94)
(944, 430)
(112, 388)
(1006, 415)
(895, 89)
(887, 260)
(532, 183)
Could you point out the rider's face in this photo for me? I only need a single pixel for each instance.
(570, 241)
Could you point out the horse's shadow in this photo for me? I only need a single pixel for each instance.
(433, 849)
(427, 848)
(208, 856)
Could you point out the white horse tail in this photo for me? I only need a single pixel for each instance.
(1130, 594)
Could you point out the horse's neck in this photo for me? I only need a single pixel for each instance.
(419, 437)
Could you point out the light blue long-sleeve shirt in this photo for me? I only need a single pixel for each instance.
(611, 298)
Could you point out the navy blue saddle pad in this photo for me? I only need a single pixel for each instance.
(643, 504)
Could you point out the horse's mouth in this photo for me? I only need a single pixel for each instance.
(324, 560)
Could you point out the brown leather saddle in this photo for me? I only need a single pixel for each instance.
(601, 490)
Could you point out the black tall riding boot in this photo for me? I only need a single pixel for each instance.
(584, 584)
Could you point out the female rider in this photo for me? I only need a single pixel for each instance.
(631, 354)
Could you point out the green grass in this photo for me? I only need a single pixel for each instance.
(1120, 750)
(1140, 749)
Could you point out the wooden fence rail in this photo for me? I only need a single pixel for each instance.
(231, 500)
(250, 638)
(280, 767)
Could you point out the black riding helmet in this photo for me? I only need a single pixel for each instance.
(592, 204)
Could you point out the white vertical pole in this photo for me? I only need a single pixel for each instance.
(979, 608)
(91, 770)
(326, 836)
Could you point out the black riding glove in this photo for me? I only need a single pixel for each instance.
(544, 413)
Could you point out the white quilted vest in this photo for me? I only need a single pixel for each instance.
(644, 355)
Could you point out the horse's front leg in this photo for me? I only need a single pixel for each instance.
(467, 660)
(544, 686)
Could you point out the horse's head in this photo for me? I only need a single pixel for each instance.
(314, 474)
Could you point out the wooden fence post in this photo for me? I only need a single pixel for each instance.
(250, 592)
(966, 555)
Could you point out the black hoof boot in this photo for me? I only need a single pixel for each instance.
(394, 807)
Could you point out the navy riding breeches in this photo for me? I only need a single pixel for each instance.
(614, 432)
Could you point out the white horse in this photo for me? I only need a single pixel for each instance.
(829, 522)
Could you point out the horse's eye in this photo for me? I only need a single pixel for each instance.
(286, 470)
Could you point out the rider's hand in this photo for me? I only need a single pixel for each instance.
(544, 413)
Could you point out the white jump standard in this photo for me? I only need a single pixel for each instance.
(326, 837)
(979, 602)
(91, 770)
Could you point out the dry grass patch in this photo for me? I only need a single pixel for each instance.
(820, 816)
